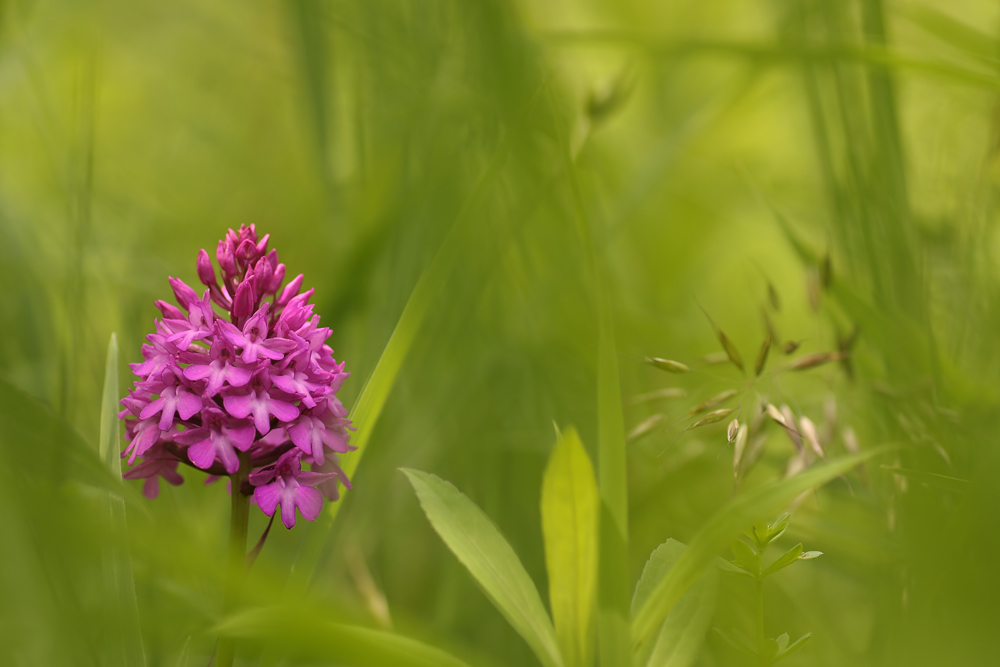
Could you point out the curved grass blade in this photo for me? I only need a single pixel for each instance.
(305, 636)
(368, 407)
(124, 635)
(721, 529)
(478, 544)
(569, 525)
(684, 629)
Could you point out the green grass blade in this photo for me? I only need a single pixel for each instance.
(719, 531)
(569, 524)
(123, 632)
(478, 544)
(306, 636)
(613, 612)
(683, 631)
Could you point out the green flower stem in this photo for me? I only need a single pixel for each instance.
(236, 568)
(761, 654)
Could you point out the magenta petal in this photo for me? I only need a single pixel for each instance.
(283, 410)
(239, 406)
(198, 372)
(151, 409)
(202, 454)
(241, 437)
(188, 404)
(267, 498)
(309, 501)
(237, 377)
(287, 511)
(151, 487)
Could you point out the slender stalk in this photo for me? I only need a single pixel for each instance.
(761, 655)
(236, 567)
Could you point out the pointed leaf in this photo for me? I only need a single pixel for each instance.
(478, 544)
(721, 529)
(785, 560)
(731, 568)
(683, 631)
(745, 556)
(570, 505)
(796, 646)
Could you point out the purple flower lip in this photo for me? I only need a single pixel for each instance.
(243, 369)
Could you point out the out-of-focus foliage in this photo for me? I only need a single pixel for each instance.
(609, 168)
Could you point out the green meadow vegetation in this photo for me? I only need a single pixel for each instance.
(642, 304)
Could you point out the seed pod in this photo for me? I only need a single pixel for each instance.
(816, 359)
(669, 392)
(711, 418)
(718, 399)
(734, 426)
(762, 356)
(808, 431)
(667, 365)
(790, 346)
(644, 428)
(739, 448)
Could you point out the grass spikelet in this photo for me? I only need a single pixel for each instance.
(774, 413)
(790, 346)
(659, 394)
(731, 351)
(715, 358)
(668, 365)
(761, 362)
(815, 359)
(772, 296)
(739, 448)
(734, 427)
(790, 428)
(808, 432)
(644, 428)
(711, 418)
(716, 400)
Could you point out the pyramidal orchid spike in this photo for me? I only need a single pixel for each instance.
(215, 389)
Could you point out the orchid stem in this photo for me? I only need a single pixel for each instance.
(236, 568)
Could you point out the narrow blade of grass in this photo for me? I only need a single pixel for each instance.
(124, 636)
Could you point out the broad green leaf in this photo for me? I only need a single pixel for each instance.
(786, 559)
(478, 544)
(124, 635)
(570, 505)
(721, 529)
(311, 637)
(683, 631)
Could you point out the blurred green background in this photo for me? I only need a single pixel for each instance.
(709, 149)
